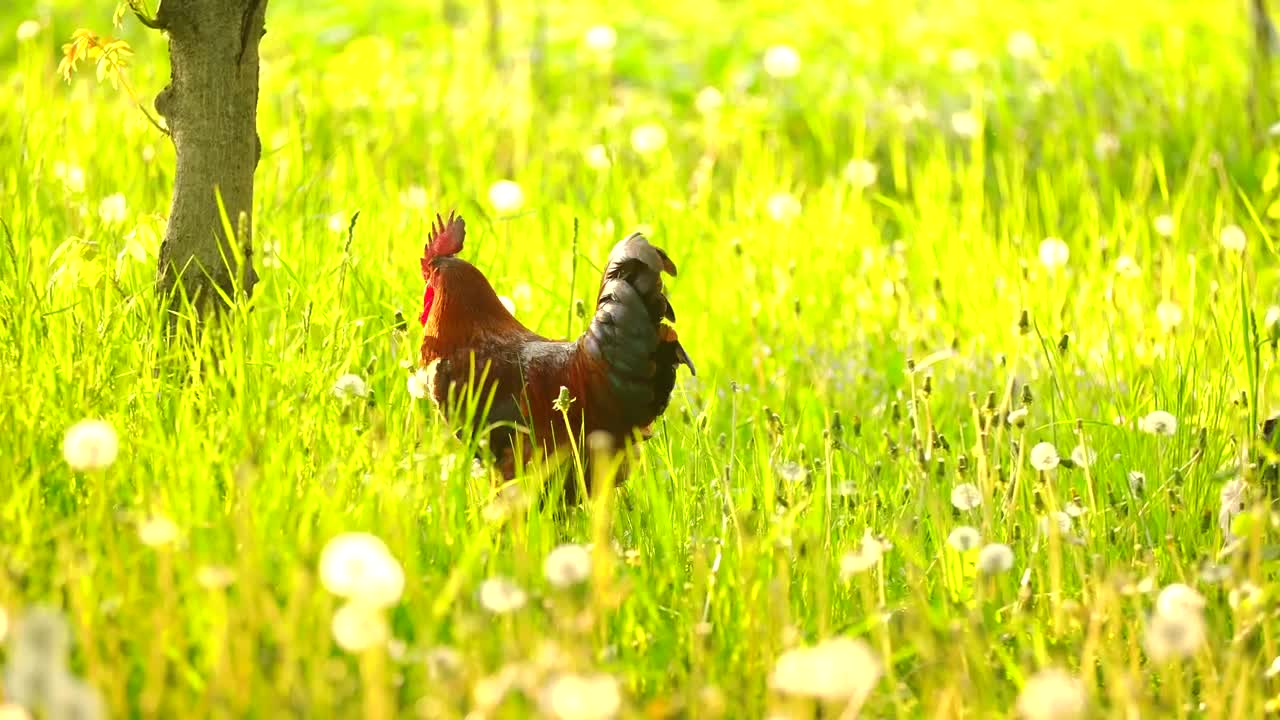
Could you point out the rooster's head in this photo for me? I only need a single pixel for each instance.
(445, 241)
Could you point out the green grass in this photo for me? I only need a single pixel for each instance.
(725, 547)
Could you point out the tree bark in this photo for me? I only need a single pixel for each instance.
(211, 108)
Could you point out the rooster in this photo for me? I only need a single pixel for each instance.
(616, 378)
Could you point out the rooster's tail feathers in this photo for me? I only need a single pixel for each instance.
(628, 334)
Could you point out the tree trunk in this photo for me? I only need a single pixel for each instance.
(211, 108)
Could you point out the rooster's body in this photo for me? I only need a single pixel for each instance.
(619, 373)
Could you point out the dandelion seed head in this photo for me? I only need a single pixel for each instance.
(600, 39)
(1137, 482)
(1245, 597)
(506, 197)
(1054, 253)
(350, 386)
(357, 626)
(1271, 319)
(966, 496)
(1044, 456)
(1171, 638)
(1274, 669)
(1164, 225)
(13, 711)
(570, 696)
(113, 209)
(962, 60)
(157, 531)
(860, 173)
(1169, 315)
(1233, 238)
(567, 565)
(40, 638)
(648, 138)
(1052, 694)
(414, 197)
(1018, 417)
(965, 124)
(1022, 45)
(995, 558)
(1158, 422)
(792, 472)
(359, 566)
(1177, 600)
(1083, 456)
(1126, 267)
(867, 556)
(1105, 145)
(90, 445)
(709, 101)
(597, 157)
(838, 670)
(337, 222)
(28, 30)
(500, 595)
(782, 61)
(419, 383)
(964, 538)
(215, 577)
(1059, 519)
(783, 207)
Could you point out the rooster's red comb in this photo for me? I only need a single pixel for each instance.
(445, 239)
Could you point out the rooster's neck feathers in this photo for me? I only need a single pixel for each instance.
(466, 311)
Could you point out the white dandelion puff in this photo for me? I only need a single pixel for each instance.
(506, 197)
(648, 138)
(1022, 45)
(356, 627)
(28, 30)
(782, 61)
(419, 383)
(350, 386)
(500, 595)
(1083, 456)
(965, 124)
(995, 558)
(783, 207)
(1158, 422)
(1053, 694)
(966, 496)
(842, 670)
(1044, 456)
(597, 157)
(1126, 267)
(964, 538)
(600, 39)
(359, 566)
(567, 565)
(1054, 253)
(570, 696)
(1177, 600)
(708, 101)
(867, 556)
(860, 173)
(962, 60)
(1233, 238)
(157, 531)
(90, 445)
(1164, 225)
(113, 209)
(1171, 638)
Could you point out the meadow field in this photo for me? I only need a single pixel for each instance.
(982, 297)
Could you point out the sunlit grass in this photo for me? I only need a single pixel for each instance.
(982, 302)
